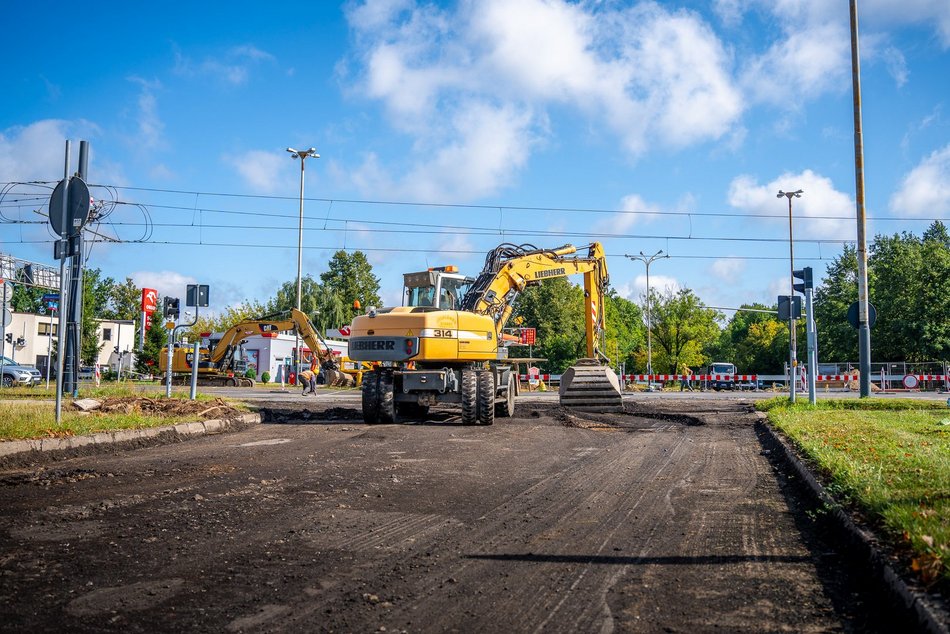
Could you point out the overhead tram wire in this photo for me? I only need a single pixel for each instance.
(496, 207)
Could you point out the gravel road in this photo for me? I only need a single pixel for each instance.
(672, 517)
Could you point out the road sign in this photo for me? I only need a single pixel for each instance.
(6, 317)
(77, 207)
(527, 336)
(853, 315)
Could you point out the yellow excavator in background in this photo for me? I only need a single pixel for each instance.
(221, 363)
(446, 345)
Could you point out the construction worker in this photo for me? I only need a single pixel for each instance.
(308, 379)
(684, 381)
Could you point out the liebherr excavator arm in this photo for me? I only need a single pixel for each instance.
(296, 320)
(509, 269)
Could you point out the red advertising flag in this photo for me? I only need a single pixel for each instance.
(149, 300)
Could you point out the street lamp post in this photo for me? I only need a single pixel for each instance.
(303, 155)
(648, 260)
(793, 346)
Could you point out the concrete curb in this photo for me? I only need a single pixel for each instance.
(931, 617)
(14, 449)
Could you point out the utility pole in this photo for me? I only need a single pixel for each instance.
(864, 328)
(793, 344)
(648, 260)
(303, 155)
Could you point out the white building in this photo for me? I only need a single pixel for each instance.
(33, 336)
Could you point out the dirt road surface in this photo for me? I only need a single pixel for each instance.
(658, 520)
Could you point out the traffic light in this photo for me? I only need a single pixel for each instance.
(9, 337)
(20, 342)
(170, 307)
(805, 276)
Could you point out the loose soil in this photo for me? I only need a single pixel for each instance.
(652, 520)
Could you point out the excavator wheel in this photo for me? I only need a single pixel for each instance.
(370, 393)
(486, 397)
(469, 396)
(506, 408)
(387, 404)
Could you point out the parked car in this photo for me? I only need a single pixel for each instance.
(16, 374)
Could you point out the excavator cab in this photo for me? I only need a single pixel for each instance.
(439, 288)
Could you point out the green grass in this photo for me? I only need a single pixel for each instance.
(890, 459)
(22, 416)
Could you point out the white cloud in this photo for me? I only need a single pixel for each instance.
(36, 151)
(811, 211)
(804, 65)
(727, 269)
(167, 283)
(634, 210)
(263, 172)
(232, 67)
(645, 74)
(636, 290)
(150, 126)
(925, 190)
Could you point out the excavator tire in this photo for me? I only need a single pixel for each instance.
(469, 395)
(387, 404)
(506, 408)
(370, 392)
(486, 397)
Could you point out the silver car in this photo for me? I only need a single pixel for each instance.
(16, 374)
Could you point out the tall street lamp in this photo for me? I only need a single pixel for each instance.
(648, 260)
(303, 155)
(793, 346)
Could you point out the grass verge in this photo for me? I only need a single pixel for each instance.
(21, 418)
(888, 458)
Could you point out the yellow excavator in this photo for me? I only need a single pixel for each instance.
(446, 344)
(221, 363)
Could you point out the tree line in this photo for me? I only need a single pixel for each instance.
(908, 278)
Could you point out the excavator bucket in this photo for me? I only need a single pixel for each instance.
(590, 387)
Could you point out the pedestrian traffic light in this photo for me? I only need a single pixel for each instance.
(170, 307)
(805, 276)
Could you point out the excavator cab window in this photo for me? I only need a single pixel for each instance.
(436, 289)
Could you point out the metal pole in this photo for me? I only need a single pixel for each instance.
(648, 260)
(793, 344)
(812, 336)
(168, 367)
(194, 369)
(303, 160)
(63, 286)
(864, 330)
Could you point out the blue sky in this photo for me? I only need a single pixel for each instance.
(645, 125)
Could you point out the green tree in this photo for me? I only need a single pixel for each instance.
(156, 338)
(26, 299)
(555, 309)
(682, 329)
(626, 330)
(324, 308)
(837, 340)
(97, 292)
(125, 301)
(350, 277)
(749, 340)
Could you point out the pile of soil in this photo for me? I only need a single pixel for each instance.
(169, 407)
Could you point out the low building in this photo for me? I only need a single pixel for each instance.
(33, 338)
